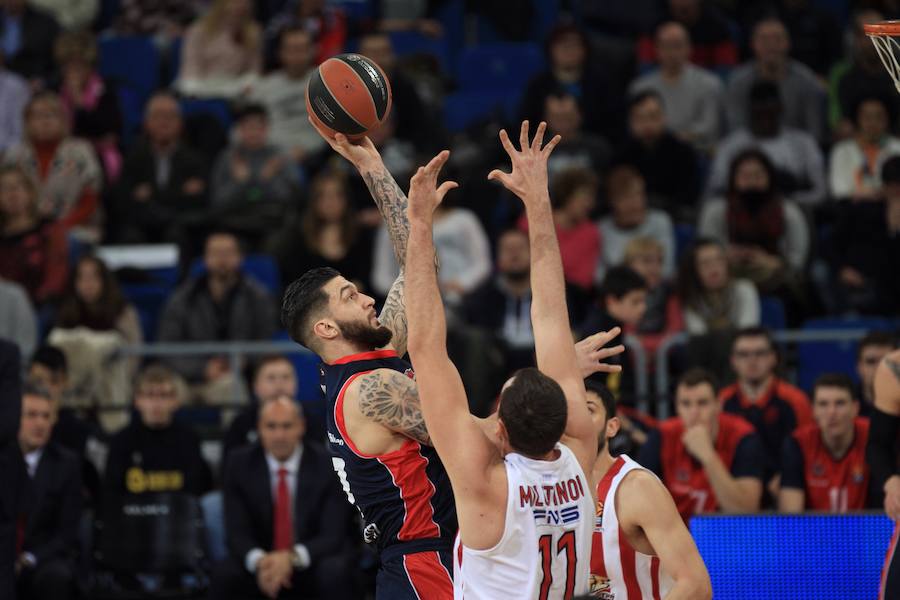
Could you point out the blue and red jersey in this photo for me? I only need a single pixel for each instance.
(404, 496)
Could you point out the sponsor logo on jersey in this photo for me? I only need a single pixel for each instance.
(552, 516)
(410, 373)
(542, 496)
(371, 532)
(598, 518)
(335, 439)
(682, 475)
(858, 474)
(818, 469)
(600, 588)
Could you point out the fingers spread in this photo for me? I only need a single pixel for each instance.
(444, 188)
(551, 145)
(539, 137)
(507, 145)
(523, 136)
(434, 165)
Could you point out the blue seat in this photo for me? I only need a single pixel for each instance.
(498, 67)
(355, 9)
(451, 14)
(462, 109)
(208, 106)
(684, 237)
(148, 299)
(772, 313)
(815, 358)
(546, 15)
(260, 267)
(131, 104)
(408, 43)
(307, 366)
(132, 61)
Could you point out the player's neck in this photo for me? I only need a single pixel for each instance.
(838, 445)
(753, 390)
(603, 464)
(340, 348)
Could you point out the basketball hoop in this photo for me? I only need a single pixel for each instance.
(884, 36)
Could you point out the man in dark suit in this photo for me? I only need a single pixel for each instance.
(45, 565)
(287, 525)
(12, 468)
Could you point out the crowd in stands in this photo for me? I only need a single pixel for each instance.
(717, 158)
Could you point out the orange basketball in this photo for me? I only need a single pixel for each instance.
(349, 94)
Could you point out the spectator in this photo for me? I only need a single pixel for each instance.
(18, 321)
(802, 96)
(864, 247)
(502, 304)
(33, 249)
(766, 236)
(874, 346)
(13, 475)
(713, 45)
(621, 302)
(91, 103)
(14, 95)
(154, 453)
(692, 96)
(326, 24)
(283, 92)
(855, 163)
(823, 465)
(571, 68)
(414, 121)
(462, 247)
(772, 405)
(65, 168)
(163, 183)
(46, 565)
(710, 461)
(28, 34)
(253, 182)
(220, 305)
(327, 235)
(631, 218)
(713, 300)
(645, 255)
(801, 168)
(163, 19)
(573, 195)
(286, 521)
(93, 323)
(577, 149)
(669, 166)
(222, 54)
(70, 15)
(861, 75)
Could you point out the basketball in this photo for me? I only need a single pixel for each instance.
(348, 94)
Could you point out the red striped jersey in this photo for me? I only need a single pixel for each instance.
(404, 496)
(618, 571)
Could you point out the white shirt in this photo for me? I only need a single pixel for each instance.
(292, 466)
(32, 460)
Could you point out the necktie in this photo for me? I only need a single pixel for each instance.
(284, 529)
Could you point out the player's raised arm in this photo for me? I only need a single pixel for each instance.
(463, 447)
(391, 203)
(549, 314)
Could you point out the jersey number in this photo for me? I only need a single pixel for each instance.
(338, 464)
(838, 497)
(699, 498)
(566, 543)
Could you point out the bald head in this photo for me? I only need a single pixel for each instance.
(673, 46)
(281, 427)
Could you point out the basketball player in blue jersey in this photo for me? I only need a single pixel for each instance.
(380, 446)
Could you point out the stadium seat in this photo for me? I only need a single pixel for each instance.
(355, 9)
(309, 393)
(546, 15)
(463, 109)
(815, 358)
(411, 43)
(260, 267)
(131, 61)
(131, 104)
(148, 299)
(772, 314)
(208, 106)
(451, 15)
(684, 237)
(498, 67)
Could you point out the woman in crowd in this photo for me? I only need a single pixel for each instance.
(33, 250)
(65, 168)
(663, 316)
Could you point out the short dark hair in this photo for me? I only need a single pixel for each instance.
(34, 387)
(252, 109)
(753, 332)
(639, 98)
(890, 170)
(886, 103)
(697, 376)
(533, 409)
(620, 281)
(835, 380)
(266, 360)
(567, 182)
(564, 29)
(51, 357)
(303, 299)
(875, 338)
(606, 396)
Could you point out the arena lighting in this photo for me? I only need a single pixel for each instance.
(793, 557)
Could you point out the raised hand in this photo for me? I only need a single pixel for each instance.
(424, 193)
(362, 153)
(591, 351)
(528, 179)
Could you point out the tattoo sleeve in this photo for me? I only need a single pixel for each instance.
(393, 314)
(392, 399)
(391, 202)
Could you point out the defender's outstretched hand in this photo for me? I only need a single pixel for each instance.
(362, 153)
(592, 350)
(424, 193)
(528, 179)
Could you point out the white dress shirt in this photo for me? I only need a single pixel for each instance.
(292, 466)
(32, 460)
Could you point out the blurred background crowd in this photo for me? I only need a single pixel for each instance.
(727, 191)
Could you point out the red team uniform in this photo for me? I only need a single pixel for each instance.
(737, 444)
(831, 484)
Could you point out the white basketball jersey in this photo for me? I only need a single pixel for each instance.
(618, 571)
(545, 550)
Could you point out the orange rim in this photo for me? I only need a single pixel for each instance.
(882, 28)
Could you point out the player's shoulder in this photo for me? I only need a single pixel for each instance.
(806, 434)
(671, 426)
(638, 490)
(735, 425)
(791, 394)
(861, 424)
(729, 392)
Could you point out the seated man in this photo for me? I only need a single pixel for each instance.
(710, 461)
(286, 521)
(153, 453)
(871, 349)
(45, 565)
(823, 466)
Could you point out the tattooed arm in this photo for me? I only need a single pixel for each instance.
(391, 399)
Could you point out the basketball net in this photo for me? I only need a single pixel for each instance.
(884, 38)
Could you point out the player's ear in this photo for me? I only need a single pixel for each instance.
(613, 426)
(326, 329)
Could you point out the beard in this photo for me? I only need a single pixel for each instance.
(366, 335)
